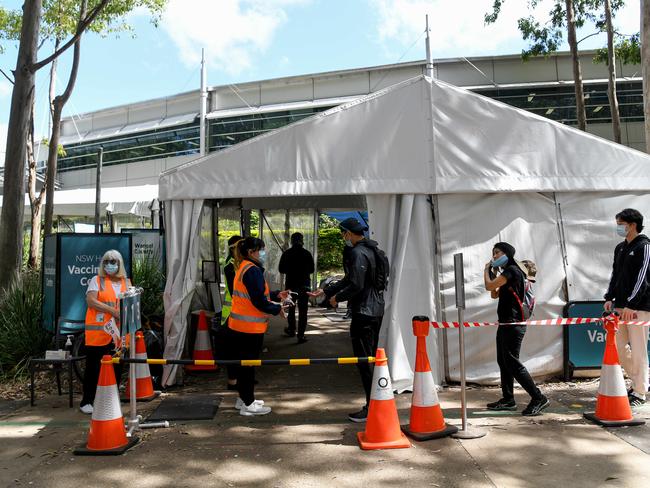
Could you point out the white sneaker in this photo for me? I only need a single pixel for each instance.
(87, 409)
(254, 409)
(240, 403)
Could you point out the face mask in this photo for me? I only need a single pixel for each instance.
(111, 269)
(621, 230)
(262, 257)
(500, 261)
(348, 243)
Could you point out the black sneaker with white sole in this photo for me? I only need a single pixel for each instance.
(360, 416)
(635, 401)
(536, 406)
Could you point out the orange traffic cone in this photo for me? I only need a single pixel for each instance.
(107, 434)
(202, 347)
(144, 391)
(427, 421)
(612, 405)
(382, 426)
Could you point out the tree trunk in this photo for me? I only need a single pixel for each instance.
(35, 201)
(11, 224)
(577, 72)
(57, 109)
(645, 63)
(611, 69)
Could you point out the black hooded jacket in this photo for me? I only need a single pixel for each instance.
(629, 286)
(358, 285)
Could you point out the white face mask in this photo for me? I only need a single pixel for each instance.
(262, 257)
(621, 230)
(111, 269)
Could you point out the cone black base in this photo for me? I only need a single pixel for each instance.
(426, 436)
(84, 451)
(155, 395)
(591, 416)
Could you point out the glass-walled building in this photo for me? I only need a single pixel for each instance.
(141, 140)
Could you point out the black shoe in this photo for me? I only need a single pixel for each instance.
(288, 332)
(502, 404)
(359, 416)
(302, 340)
(635, 401)
(536, 406)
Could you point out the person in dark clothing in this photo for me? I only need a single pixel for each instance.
(297, 264)
(508, 287)
(629, 294)
(252, 305)
(219, 329)
(364, 300)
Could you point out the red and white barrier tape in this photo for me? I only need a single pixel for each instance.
(573, 321)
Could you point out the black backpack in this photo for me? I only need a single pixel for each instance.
(382, 269)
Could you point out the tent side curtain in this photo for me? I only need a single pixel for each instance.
(403, 227)
(182, 223)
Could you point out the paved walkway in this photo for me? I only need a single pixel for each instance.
(307, 442)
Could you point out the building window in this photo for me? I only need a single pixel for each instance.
(159, 143)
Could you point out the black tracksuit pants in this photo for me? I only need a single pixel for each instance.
(302, 304)
(91, 374)
(246, 346)
(509, 339)
(364, 333)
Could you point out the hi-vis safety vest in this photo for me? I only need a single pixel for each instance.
(96, 319)
(227, 298)
(244, 316)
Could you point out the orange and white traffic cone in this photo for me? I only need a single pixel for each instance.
(144, 391)
(427, 421)
(107, 434)
(612, 405)
(382, 426)
(202, 347)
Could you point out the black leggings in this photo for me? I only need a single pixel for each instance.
(91, 374)
(509, 339)
(246, 346)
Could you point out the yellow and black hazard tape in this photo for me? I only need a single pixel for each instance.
(248, 362)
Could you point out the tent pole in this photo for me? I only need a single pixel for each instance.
(437, 266)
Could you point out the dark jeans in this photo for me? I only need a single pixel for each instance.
(302, 303)
(364, 332)
(509, 339)
(220, 336)
(246, 346)
(91, 375)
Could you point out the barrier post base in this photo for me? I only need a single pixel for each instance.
(84, 451)
(591, 416)
(469, 434)
(426, 436)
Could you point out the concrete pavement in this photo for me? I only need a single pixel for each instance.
(307, 441)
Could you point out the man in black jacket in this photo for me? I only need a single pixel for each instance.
(297, 264)
(364, 299)
(629, 294)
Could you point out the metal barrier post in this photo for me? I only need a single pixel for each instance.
(465, 432)
(130, 321)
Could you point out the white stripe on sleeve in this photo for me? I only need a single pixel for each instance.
(642, 273)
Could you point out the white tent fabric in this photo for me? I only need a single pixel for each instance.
(132, 200)
(484, 163)
(182, 221)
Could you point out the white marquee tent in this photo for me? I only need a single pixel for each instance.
(442, 170)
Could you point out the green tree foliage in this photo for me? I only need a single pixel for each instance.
(628, 50)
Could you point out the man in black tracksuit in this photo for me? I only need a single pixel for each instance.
(366, 302)
(629, 294)
(297, 264)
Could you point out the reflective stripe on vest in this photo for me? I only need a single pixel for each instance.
(227, 298)
(96, 319)
(244, 316)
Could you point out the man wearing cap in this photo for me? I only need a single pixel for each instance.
(509, 288)
(364, 300)
(629, 294)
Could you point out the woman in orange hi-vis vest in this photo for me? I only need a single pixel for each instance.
(103, 305)
(252, 305)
